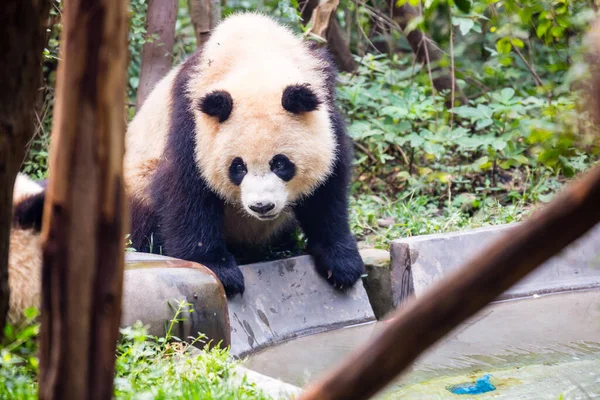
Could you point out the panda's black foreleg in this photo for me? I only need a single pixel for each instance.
(191, 226)
(324, 220)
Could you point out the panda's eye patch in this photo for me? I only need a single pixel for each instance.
(217, 104)
(237, 171)
(299, 99)
(283, 167)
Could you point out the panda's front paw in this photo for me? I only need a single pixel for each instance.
(231, 278)
(340, 264)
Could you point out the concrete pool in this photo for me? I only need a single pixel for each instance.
(533, 348)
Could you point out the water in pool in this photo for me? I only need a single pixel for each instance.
(535, 348)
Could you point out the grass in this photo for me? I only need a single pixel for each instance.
(147, 367)
(377, 218)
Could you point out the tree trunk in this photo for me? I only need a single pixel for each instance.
(205, 14)
(157, 55)
(22, 25)
(84, 219)
(333, 35)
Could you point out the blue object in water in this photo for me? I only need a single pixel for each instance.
(481, 385)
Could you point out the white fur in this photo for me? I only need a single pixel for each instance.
(25, 187)
(254, 59)
(264, 188)
(24, 258)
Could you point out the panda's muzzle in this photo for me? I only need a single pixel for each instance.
(262, 208)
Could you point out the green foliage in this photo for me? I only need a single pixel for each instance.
(137, 38)
(147, 367)
(516, 139)
(517, 121)
(19, 364)
(162, 368)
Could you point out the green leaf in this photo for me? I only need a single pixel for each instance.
(481, 163)
(466, 112)
(498, 144)
(469, 143)
(504, 46)
(506, 94)
(483, 123)
(517, 42)
(394, 111)
(521, 159)
(543, 28)
(464, 24)
(134, 82)
(557, 31)
(526, 14)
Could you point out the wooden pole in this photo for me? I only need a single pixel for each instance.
(205, 15)
(22, 33)
(84, 217)
(425, 320)
(321, 14)
(157, 55)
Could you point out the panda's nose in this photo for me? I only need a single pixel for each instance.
(262, 208)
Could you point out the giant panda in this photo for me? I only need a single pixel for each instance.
(236, 145)
(25, 253)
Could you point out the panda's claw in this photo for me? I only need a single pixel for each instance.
(340, 265)
(231, 278)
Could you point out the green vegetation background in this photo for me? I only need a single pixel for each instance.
(421, 167)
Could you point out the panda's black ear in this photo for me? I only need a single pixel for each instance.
(299, 99)
(217, 104)
(28, 213)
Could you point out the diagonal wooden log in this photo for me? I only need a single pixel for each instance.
(22, 34)
(84, 218)
(425, 320)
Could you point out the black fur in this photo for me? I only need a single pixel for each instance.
(188, 216)
(299, 99)
(237, 171)
(217, 104)
(28, 213)
(324, 219)
(145, 233)
(283, 167)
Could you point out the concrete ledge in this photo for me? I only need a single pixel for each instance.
(420, 261)
(287, 298)
(283, 299)
(151, 282)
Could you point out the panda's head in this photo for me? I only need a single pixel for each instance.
(265, 160)
(264, 132)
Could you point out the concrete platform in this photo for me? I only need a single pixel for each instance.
(420, 261)
(285, 299)
(152, 286)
